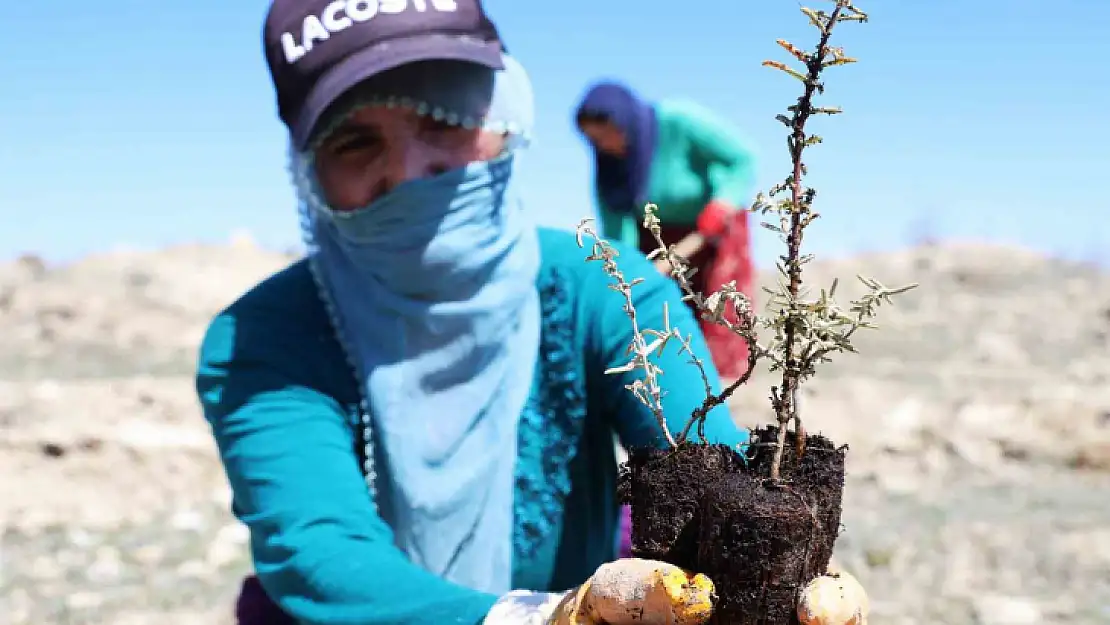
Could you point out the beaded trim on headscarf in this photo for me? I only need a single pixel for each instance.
(302, 164)
(424, 109)
(454, 92)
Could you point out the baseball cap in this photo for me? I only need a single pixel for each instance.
(316, 50)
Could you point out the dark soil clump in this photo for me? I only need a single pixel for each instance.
(703, 508)
(666, 490)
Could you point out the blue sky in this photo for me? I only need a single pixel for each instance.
(147, 123)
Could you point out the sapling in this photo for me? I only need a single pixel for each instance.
(759, 526)
(805, 330)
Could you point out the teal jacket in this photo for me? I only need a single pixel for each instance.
(283, 406)
(698, 158)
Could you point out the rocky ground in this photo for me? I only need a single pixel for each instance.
(978, 420)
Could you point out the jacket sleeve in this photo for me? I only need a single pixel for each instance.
(319, 548)
(681, 382)
(729, 160)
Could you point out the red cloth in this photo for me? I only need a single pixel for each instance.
(714, 219)
(732, 261)
(723, 259)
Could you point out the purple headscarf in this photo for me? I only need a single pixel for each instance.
(622, 181)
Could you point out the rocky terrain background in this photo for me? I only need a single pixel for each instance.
(978, 420)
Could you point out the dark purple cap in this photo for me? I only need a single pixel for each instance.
(319, 49)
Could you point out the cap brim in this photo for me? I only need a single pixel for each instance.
(383, 57)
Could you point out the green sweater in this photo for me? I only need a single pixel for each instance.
(283, 406)
(698, 158)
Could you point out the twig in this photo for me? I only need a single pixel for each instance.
(786, 407)
(646, 390)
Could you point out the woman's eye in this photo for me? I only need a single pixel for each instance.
(353, 144)
(352, 141)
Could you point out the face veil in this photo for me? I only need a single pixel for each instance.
(431, 290)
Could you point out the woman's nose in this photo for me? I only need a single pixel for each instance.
(411, 160)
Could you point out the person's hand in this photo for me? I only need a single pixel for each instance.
(686, 248)
(633, 591)
(638, 591)
(834, 599)
(713, 219)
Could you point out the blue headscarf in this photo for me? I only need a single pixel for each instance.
(431, 288)
(622, 181)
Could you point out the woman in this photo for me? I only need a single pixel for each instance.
(415, 420)
(692, 165)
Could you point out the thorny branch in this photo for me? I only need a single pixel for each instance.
(799, 212)
(804, 332)
(647, 390)
(716, 308)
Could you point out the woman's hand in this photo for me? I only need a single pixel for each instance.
(638, 591)
(647, 592)
(834, 599)
(633, 591)
(689, 245)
